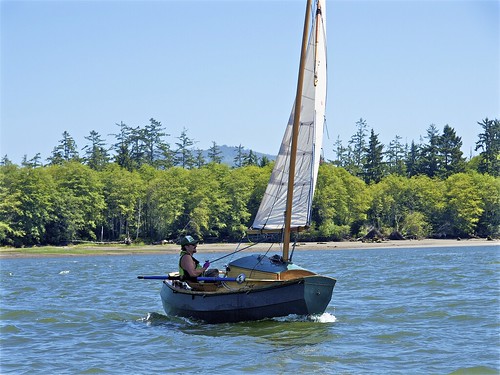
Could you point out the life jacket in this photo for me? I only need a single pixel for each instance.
(184, 275)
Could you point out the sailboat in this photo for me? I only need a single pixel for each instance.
(256, 287)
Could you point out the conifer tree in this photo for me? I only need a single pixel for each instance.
(184, 154)
(250, 158)
(373, 166)
(153, 144)
(138, 149)
(341, 153)
(214, 154)
(199, 158)
(96, 155)
(121, 147)
(65, 151)
(238, 159)
(411, 160)
(450, 154)
(429, 158)
(395, 156)
(357, 146)
(489, 144)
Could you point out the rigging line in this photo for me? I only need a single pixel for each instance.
(265, 254)
(234, 252)
(294, 245)
(183, 230)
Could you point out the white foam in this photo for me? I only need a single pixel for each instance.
(324, 318)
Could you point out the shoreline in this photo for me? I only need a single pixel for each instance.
(100, 250)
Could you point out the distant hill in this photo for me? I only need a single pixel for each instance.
(229, 153)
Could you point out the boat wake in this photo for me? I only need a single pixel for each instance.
(156, 319)
(323, 318)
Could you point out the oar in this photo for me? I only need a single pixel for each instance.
(240, 279)
(166, 277)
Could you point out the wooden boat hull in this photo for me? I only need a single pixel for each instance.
(309, 295)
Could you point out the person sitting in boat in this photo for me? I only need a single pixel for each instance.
(189, 267)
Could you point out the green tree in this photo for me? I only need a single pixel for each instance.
(121, 147)
(28, 206)
(462, 206)
(78, 204)
(397, 200)
(206, 204)
(450, 154)
(340, 203)
(389, 205)
(153, 144)
(412, 160)
(10, 204)
(96, 154)
(260, 178)
(429, 159)
(264, 160)
(373, 160)
(199, 159)
(250, 158)
(184, 154)
(165, 200)
(341, 153)
(240, 187)
(138, 150)
(426, 196)
(489, 144)
(395, 156)
(5, 161)
(34, 162)
(65, 151)
(214, 154)
(488, 188)
(167, 158)
(415, 225)
(239, 158)
(124, 197)
(356, 149)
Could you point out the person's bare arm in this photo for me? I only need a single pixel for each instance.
(190, 266)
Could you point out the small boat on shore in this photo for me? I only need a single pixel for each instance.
(257, 287)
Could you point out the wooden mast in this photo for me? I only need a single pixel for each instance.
(295, 135)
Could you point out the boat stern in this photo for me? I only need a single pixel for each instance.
(318, 292)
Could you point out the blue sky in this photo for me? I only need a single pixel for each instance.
(226, 70)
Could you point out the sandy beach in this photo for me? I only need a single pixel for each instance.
(82, 250)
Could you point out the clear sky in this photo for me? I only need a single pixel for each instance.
(226, 70)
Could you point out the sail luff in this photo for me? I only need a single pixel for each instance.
(295, 134)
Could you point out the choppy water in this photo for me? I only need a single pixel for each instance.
(393, 311)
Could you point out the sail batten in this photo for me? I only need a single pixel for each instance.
(270, 215)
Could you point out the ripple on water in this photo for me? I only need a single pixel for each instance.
(393, 311)
(10, 329)
(477, 370)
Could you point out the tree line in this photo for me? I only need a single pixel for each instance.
(136, 146)
(145, 190)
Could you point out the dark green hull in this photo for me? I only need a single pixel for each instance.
(309, 295)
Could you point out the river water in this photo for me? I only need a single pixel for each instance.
(393, 311)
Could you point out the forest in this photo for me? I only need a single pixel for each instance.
(144, 190)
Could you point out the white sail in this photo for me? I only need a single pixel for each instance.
(312, 117)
